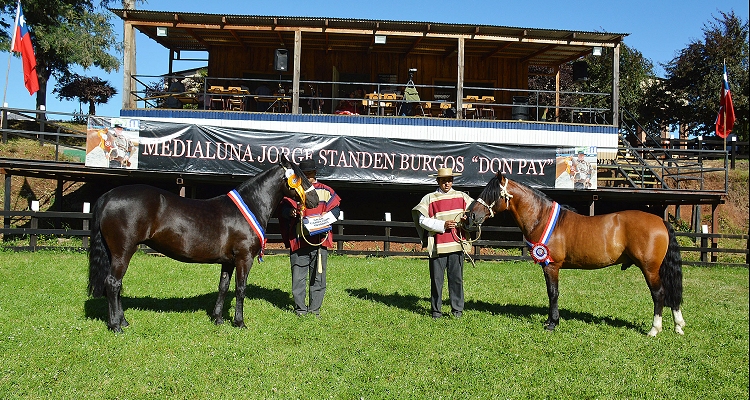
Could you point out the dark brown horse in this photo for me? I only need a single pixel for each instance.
(201, 231)
(561, 238)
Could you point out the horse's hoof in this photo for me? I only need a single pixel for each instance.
(653, 332)
(240, 325)
(218, 321)
(549, 327)
(678, 330)
(115, 329)
(124, 323)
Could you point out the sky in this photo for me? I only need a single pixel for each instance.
(658, 29)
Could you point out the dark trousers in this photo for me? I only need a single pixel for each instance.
(453, 263)
(305, 262)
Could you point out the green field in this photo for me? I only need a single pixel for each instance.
(374, 339)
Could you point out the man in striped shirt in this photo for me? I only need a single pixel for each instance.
(436, 219)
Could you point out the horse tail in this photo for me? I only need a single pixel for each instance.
(99, 256)
(670, 272)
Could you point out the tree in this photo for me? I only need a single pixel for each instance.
(87, 90)
(636, 72)
(694, 77)
(65, 33)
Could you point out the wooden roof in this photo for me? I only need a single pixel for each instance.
(200, 32)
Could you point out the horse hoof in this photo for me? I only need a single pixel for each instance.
(115, 329)
(653, 332)
(124, 323)
(549, 327)
(218, 321)
(678, 330)
(240, 325)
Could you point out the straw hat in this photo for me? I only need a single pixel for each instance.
(444, 173)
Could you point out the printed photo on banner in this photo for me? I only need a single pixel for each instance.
(576, 168)
(112, 143)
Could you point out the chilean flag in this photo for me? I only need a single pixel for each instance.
(22, 44)
(725, 119)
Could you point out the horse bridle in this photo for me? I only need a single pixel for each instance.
(504, 194)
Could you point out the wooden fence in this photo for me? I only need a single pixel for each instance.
(497, 243)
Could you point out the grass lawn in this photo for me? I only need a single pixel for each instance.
(374, 339)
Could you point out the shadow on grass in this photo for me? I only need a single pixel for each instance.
(410, 303)
(97, 308)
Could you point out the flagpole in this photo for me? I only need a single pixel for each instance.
(10, 54)
(725, 109)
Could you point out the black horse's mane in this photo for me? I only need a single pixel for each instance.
(491, 192)
(252, 181)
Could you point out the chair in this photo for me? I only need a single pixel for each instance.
(369, 104)
(468, 106)
(235, 103)
(487, 110)
(445, 109)
(389, 107)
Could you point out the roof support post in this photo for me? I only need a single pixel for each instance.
(296, 72)
(460, 79)
(128, 65)
(557, 93)
(616, 86)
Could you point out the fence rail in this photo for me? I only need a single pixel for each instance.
(507, 242)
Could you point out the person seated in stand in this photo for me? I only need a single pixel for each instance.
(175, 88)
(349, 107)
(262, 91)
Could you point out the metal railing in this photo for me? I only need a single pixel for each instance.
(646, 161)
(317, 96)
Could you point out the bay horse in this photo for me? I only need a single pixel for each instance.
(198, 231)
(561, 238)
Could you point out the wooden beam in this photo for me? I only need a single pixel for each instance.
(197, 38)
(497, 50)
(296, 71)
(239, 40)
(538, 52)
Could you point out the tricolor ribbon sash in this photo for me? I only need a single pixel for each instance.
(250, 217)
(539, 250)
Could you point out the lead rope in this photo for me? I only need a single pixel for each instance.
(320, 257)
(462, 241)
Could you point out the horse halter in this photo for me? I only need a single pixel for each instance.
(488, 206)
(295, 183)
(504, 194)
(504, 190)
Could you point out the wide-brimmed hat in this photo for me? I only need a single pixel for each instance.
(445, 173)
(307, 165)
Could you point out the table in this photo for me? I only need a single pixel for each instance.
(182, 98)
(231, 98)
(374, 101)
(437, 108)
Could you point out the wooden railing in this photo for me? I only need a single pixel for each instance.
(506, 242)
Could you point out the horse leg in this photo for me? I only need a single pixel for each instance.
(120, 261)
(551, 275)
(240, 280)
(114, 286)
(657, 295)
(225, 277)
(679, 322)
